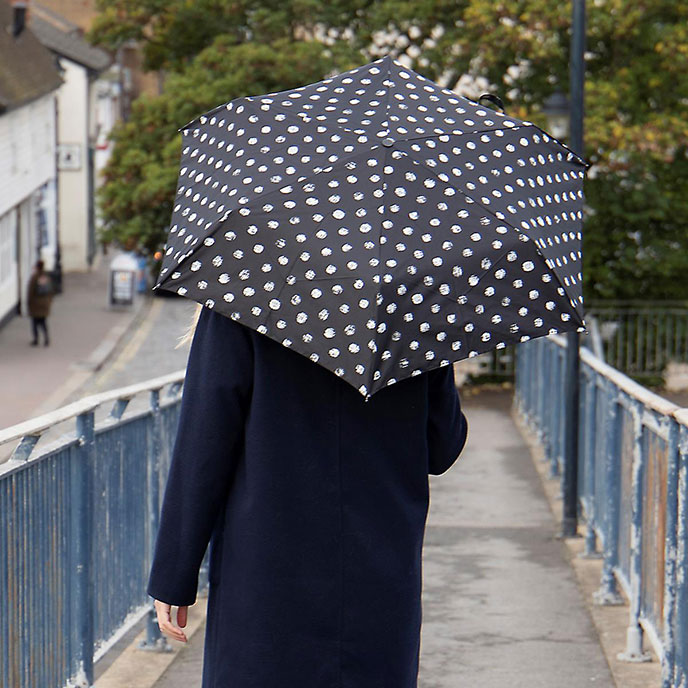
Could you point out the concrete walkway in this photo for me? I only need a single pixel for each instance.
(83, 333)
(501, 603)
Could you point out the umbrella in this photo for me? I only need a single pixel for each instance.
(377, 223)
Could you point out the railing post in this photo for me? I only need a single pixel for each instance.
(82, 529)
(681, 604)
(589, 443)
(608, 593)
(551, 447)
(154, 640)
(557, 430)
(670, 553)
(634, 634)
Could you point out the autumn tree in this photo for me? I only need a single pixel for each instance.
(636, 127)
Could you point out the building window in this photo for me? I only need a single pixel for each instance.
(7, 248)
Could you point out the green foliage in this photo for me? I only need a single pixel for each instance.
(645, 256)
(636, 126)
(140, 177)
(636, 236)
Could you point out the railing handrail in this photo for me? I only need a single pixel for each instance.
(626, 384)
(39, 424)
(632, 494)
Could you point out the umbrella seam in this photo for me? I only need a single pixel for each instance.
(220, 223)
(376, 356)
(467, 133)
(497, 262)
(523, 125)
(487, 210)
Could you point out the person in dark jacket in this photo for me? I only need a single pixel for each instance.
(40, 298)
(314, 503)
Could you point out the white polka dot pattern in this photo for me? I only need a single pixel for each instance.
(378, 224)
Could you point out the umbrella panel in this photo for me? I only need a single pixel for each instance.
(376, 281)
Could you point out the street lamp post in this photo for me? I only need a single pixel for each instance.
(570, 479)
(563, 114)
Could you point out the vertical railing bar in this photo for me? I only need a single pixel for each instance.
(23, 450)
(32, 573)
(154, 640)
(558, 459)
(82, 515)
(634, 635)
(21, 592)
(670, 552)
(118, 408)
(680, 677)
(608, 593)
(4, 583)
(590, 470)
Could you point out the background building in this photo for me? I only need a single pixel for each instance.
(88, 104)
(29, 80)
(128, 60)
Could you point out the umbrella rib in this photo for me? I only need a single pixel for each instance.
(466, 133)
(487, 210)
(482, 274)
(379, 261)
(523, 125)
(261, 198)
(379, 243)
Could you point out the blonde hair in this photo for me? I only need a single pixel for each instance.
(188, 335)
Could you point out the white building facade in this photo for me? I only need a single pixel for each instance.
(28, 126)
(87, 108)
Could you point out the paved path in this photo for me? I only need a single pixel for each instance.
(501, 604)
(82, 332)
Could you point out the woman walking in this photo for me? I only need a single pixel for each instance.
(40, 298)
(314, 502)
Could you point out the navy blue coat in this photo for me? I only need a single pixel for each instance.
(314, 502)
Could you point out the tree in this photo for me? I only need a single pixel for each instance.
(636, 97)
(636, 232)
(140, 177)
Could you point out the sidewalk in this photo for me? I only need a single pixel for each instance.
(502, 606)
(83, 333)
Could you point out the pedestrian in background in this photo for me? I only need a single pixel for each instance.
(314, 502)
(40, 297)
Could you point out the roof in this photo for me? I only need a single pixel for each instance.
(27, 68)
(65, 38)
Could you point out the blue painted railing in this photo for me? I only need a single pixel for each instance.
(78, 520)
(632, 491)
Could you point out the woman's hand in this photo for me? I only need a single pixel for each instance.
(164, 612)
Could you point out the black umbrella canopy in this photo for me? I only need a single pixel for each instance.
(378, 223)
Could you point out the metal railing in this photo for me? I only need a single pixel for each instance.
(641, 338)
(78, 521)
(632, 491)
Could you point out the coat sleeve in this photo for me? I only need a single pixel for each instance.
(447, 425)
(209, 439)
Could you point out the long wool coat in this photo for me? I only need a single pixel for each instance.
(39, 304)
(314, 502)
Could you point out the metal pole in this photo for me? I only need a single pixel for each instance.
(570, 476)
